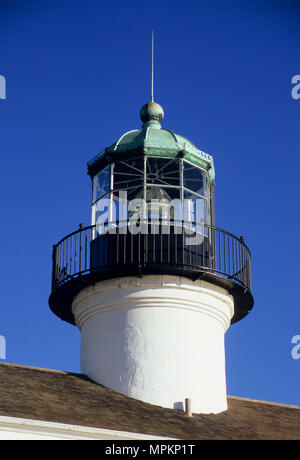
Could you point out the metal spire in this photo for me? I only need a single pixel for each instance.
(152, 97)
(152, 113)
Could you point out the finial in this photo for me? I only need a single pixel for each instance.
(151, 115)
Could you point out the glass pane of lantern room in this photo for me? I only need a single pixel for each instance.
(195, 218)
(164, 203)
(163, 171)
(128, 174)
(126, 204)
(101, 183)
(194, 179)
(101, 214)
(195, 210)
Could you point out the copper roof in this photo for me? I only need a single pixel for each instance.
(56, 396)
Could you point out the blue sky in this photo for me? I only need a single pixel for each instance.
(77, 74)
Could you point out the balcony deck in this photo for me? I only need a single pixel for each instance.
(137, 248)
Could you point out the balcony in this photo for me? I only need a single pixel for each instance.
(136, 248)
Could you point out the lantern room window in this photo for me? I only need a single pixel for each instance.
(163, 203)
(153, 179)
(128, 174)
(194, 179)
(161, 171)
(101, 183)
(195, 208)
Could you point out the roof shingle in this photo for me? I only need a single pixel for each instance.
(57, 396)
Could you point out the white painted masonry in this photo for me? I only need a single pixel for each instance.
(159, 339)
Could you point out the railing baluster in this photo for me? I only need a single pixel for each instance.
(124, 247)
(146, 242)
(232, 256)
(131, 247)
(160, 227)
(154, 246)
(243, 262)
(236, 258)
(80, 249)
(190, 250)
(67, 257)
(63, 260)
(59, 266)
(182, 242)
(248, 272)
(75, 253)
(245, 266)
(175, 244)
(139, 246)
(228, 252)
(218, 267)
(118, 243)
(240, 262)
(71, 255)
(85, 250)
(224, 250)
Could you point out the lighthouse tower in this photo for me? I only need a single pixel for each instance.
(152, 283)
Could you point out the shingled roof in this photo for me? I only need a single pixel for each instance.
(56, 396)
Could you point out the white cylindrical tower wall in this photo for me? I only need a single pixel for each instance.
(159, 339)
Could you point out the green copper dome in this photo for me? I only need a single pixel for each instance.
(152, 140)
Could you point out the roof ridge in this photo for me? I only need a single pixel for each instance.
(270, 403)
(44, 369)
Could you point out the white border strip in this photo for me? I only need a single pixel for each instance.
(25, 428)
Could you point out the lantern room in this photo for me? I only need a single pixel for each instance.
(158, 174)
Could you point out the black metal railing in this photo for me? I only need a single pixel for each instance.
(177, 246)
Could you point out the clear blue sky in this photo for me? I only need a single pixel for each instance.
(77, 73)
